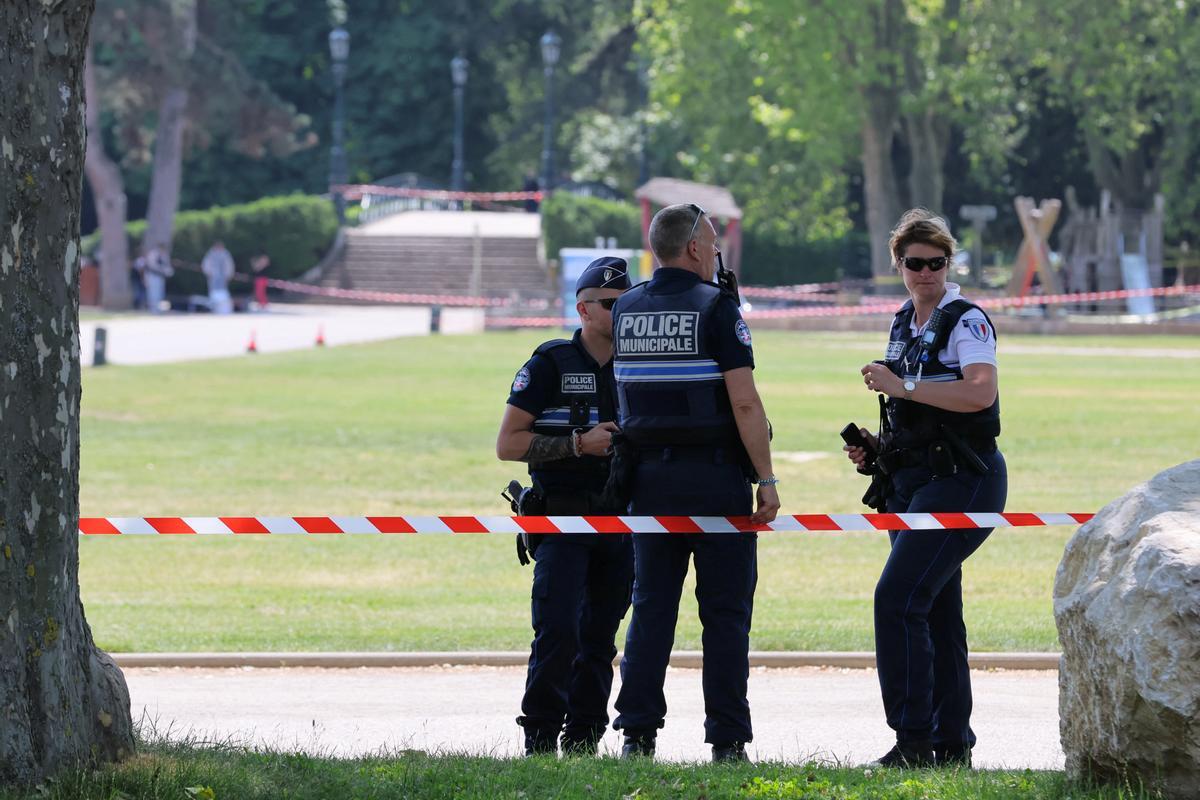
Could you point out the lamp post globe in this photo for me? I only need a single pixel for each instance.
(551, 44)
(339, 52)
(458, 74)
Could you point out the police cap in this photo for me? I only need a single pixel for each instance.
(608, 272)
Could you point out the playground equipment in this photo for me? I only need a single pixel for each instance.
(1110, 247)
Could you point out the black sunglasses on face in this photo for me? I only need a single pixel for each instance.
(916, 264)
(700, 212)
(607, 303)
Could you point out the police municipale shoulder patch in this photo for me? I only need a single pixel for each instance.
(521, 381)
(978, 328)
(742, 331)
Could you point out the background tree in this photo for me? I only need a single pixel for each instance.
(62, 701)
(165, 87)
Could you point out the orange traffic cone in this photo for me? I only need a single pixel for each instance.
(320, 336)
(251, 347)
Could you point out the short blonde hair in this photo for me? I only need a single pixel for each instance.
(920, 225)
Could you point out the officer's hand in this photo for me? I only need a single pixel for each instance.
(768, 505)
(598, 441)
(857, 454)
(879, 378)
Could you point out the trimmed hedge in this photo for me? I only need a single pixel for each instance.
(570, 220)
(770, 258)
(294, 230)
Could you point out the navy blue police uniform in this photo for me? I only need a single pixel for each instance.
(581, 582)
(673, 337)
(939, 461)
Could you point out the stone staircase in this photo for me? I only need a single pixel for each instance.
(429, 264)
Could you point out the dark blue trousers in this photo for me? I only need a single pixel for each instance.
(581, 587)
(920, 638)
(726, 574)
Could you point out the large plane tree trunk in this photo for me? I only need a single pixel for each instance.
(62, 701)
(166, 181)
(108, 192)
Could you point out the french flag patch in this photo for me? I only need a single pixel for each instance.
(978, 328)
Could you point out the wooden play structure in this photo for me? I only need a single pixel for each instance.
(1103, 248)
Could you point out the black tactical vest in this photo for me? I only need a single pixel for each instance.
(580, 402)
(671, 390)
(916, 424)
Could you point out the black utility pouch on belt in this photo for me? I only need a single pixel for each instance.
(941, 459)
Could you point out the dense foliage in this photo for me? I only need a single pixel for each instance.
(768, 97)
(295, 231)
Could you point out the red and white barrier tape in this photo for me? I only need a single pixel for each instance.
(991, 302)
(800, 291)
(386, 297)
(357, 191)
(129, 526)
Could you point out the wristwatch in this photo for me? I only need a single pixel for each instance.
(909, 388)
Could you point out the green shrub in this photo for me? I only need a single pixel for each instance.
(294, 230)
(773, 258)
(572, 221)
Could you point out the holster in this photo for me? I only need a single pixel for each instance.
(878, 492)
(618, 490)
(525, 502)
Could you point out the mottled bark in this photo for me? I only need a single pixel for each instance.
(108, 194)
(62, 702)
(167, 178)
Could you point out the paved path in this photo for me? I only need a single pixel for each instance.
(156, 339)
(834, 714)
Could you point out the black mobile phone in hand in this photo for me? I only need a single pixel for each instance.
(852, 436)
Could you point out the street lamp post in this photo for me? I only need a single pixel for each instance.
(458, 72)
(339, 50)
(551, 46)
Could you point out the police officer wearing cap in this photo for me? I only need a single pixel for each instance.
(936, 452)
(560, 419)
(683, 363)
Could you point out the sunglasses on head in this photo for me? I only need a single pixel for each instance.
(607, 303)
(935, 264)
(700, 212)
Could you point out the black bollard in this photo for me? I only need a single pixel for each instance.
(98, 348)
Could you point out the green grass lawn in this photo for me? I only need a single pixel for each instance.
(173, 770)
(408, 427)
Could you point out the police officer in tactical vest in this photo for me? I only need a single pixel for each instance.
(688, 404)
(560, 419)
(935, 452)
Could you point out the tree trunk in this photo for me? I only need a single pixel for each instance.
(927, 141)
(1128, 175)
(108, 193)
(62, 701)
(167, 178)
(880, 190)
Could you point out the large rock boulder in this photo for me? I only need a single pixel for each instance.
(1127, 606)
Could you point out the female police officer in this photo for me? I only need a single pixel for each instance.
(937, 444)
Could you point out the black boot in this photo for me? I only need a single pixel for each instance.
(729, 753)
(581, 743)
(953, 757)
(639, 744)
(541, 742)
(908, 755)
